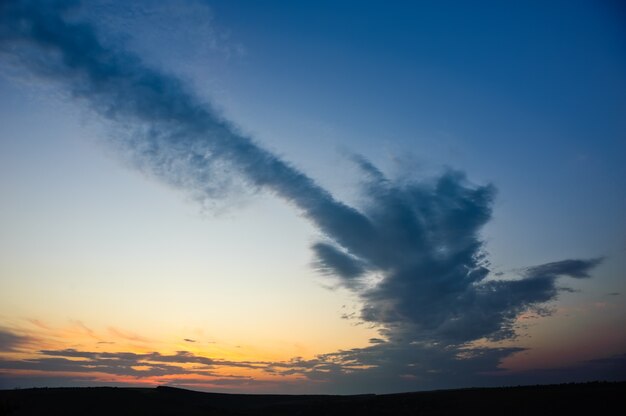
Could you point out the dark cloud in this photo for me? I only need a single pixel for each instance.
(189, 340)
(124, 363)
(436, 283)
(55, 368)
(10, 341)
(412, 252)
(383, 367)
(175, 136)
(331, 260)
(572, 268)
(399, 366)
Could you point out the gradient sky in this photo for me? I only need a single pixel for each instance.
(402, 197)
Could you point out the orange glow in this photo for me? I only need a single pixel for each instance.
(120, 357)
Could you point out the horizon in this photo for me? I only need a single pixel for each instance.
(519, 386)
(572, 398)
(311, 198)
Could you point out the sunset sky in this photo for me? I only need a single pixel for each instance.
(312, 197)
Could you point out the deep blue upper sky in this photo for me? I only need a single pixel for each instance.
(530, 96)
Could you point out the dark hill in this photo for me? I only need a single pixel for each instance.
(567, 399)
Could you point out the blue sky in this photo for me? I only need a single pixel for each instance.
(529, 97)
(132, 227)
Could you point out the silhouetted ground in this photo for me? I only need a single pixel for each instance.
(564, 399)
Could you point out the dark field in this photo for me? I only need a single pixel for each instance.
(565, 399)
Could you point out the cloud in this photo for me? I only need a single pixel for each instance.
(118, 333)
(412, 252)
(122, 368)
(399, 366)
(125, 363)
(436, 283)
(573, 268)
(331, 260)
(381, 368)
(10, 341)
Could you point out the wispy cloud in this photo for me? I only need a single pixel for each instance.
(385, 367)
(10, 341)
(181, 368)
(128, 336)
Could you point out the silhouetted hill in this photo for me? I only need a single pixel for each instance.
(567, 399)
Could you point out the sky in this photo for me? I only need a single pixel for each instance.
(312, 197)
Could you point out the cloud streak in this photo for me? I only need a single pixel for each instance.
(10, 341)
(381, 368)
(419, 241)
